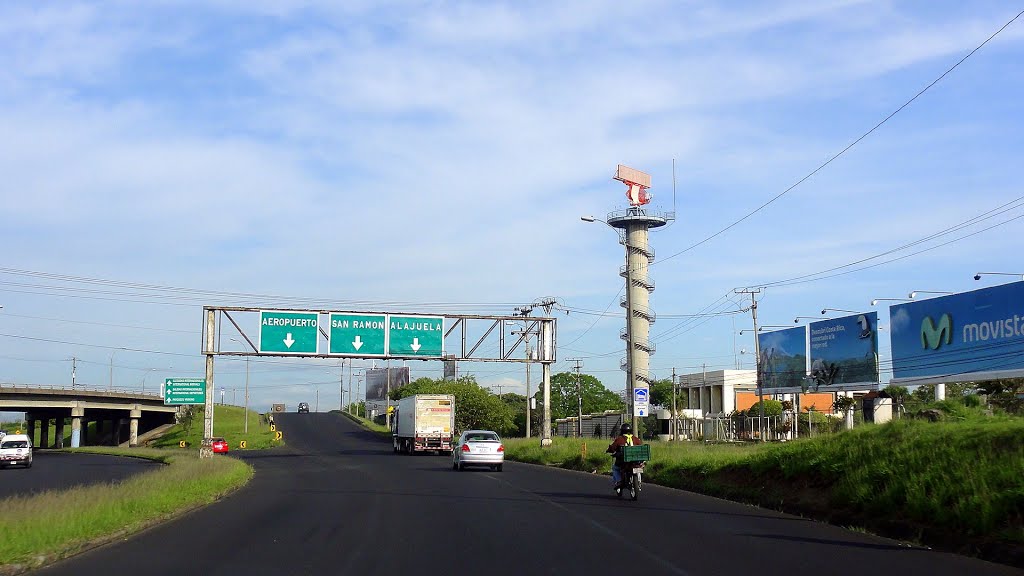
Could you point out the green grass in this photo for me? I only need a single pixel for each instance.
(45, 527)
(229, 423)
(368, 424)
(956, 485)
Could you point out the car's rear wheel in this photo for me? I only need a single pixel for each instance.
(498, 467)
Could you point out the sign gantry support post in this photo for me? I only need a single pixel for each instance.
(206, 450)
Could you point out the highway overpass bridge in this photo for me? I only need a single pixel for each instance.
(117, 416)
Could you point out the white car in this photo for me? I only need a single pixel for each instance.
(16, 449)
(478, 448)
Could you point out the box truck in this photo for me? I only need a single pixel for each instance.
(424, 423)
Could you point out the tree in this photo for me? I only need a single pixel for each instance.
(1006, 393)
(926, 392)
(596, 398)
(661, 395)
(899, 395)
(475, 407)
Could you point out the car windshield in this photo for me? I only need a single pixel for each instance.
(14, 444)
(482, 437)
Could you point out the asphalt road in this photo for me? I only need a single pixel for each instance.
(337, 501)
(61, 470)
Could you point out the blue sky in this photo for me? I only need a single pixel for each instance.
(437, 156)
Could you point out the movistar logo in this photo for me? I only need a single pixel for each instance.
(932, 335)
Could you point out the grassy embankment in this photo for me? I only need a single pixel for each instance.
(45, 527)
(228, 423)
(368, 424)
(951, 485)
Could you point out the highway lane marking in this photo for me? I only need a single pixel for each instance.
(614, 533)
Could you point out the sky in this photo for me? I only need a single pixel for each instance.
(437, 157)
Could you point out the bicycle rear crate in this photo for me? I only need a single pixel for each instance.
(636, 453)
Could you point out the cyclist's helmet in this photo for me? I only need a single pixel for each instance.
(626, 429)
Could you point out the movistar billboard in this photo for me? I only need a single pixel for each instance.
(845, 350)
(959, 335)
(783, 361)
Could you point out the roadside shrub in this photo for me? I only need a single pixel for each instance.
(771, 408)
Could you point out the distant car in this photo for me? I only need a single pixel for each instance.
(219, 445)
(478, 448)
(303, 407)
(16, 450)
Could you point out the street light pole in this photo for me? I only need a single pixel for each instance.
(110, 384)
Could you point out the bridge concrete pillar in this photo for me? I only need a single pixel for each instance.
(58, 437)
(76, 427)
(133, 428)
(30, 427)
(44, 433)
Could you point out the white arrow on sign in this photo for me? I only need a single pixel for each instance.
(357, 343)
(415, 344)
(288, 341)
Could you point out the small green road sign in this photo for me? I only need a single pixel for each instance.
(416, 336)
(288, 332)
(358, 334)
(184, 391)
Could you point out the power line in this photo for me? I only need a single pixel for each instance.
(844, 150)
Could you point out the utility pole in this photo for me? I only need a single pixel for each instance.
(316, 406)
(351, 399)
(525, 311)
(387, 398)
(74, 370)
(675, 419)
(579, 399)
(757, 356)
(341, 388)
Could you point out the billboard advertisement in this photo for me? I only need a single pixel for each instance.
(973, 335)
(379, 383)
(845, 350)
(783, 361)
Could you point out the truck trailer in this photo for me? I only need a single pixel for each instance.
(424, 423)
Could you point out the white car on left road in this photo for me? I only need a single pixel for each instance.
(16, 450)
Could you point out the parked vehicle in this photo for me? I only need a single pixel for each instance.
(219, 445)
(16, 450)
(424, 423)
(478, 448)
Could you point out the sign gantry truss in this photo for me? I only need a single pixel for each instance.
(376, 335)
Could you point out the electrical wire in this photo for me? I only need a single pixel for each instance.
(837, 155)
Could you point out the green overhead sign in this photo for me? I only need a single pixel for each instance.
(358, 334)
(416, 336)
(184, 391)
(288, 332)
